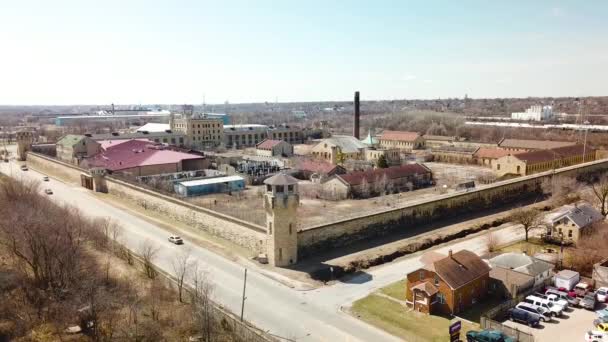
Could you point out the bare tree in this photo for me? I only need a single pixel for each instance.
(562, 189)
(600, 192)
(148, 252)
(181, 264)
(365, 189)
(491, 242)
(528, 218)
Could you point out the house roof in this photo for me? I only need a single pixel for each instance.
(520, 262)
(393, 172)
(427, 287)
(399, 135)
(135, 153)
(533, 144)
(508, 276)
(154, 127)
(346, 143)
(581, 214)
(461, 268)
(70, 140)
(567, 274)
(281, 179)
(212, 180)
(370, 140)
(540, 156)
(428, 260)
(456, 149)
(438, 137)
(268, 144)
(317, 166)
(491, 153)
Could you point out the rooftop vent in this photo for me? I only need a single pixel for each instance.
(88, 135)
(145, 132)
(115, 134)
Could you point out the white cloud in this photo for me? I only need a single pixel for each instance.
(409, 77)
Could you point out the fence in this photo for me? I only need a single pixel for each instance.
(518, 335)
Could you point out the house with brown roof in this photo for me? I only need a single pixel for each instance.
(274, 148)
(448, 284)
(527, 163)
(526, 145)
(368, 183)
(405, 141)
(487, 156)
(317, 169)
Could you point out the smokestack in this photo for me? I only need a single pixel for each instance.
(450, 253)
(356, 123)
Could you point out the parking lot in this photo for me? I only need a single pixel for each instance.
(572, 326)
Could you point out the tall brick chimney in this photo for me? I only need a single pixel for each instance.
(356, 122)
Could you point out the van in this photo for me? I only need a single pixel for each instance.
(554, 309)
(523, 316)
(542, 314)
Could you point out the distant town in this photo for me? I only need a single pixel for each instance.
(452, 214)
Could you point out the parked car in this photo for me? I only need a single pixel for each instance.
(581, 289)
(488, 336)
(600, 320)
(572, 300)
(523, 316)
(602, 294)
(603, 327)
(602, 313)
(589, 301)
(543, 314)
(176, 240)
(23, 168)
(48, 191)
(45, 178)
(570, 293)
(554, 299)
(554, 309)
(595, 336)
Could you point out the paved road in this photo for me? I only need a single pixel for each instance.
(302, 315)
(270, 305)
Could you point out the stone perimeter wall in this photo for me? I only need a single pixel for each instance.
(345, 232)
(245, 234)
(55, 168)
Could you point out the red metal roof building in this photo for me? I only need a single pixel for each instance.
(143, 158)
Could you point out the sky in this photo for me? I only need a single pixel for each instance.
(129, 52)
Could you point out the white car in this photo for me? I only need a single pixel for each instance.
(602, 294)
(176, 240)
(596, 336)
(48, 191)
(45, 178)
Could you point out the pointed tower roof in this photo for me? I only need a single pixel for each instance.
(369, 140)
(281, 179)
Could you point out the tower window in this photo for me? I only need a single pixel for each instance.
(290, 188)
(280, 253)
(269, 227)
(291, 226)
(268, 187)
(280, 188)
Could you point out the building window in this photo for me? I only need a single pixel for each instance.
(497, 166)
(279, 188)
(570, 233)
(441, 298)
(280, 253)
(269, 227)
(421, 274)
(290, 228)
(290, 188)
(436, 280)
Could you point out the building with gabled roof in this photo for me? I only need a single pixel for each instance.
(339, 148)
(526, 145)
(448, 284)
(403, 140)
(73, 148)
(571, 222)
(527, 163)
(274, 148)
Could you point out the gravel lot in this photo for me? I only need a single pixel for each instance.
(572, 326)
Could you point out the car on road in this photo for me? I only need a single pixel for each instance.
(589, 301)
(488, 336)
(176, 240)
(23, 168)
(603, 327)
(48, 191)
(596, 336)
(520, 315)
(602, 294)
(45, 178)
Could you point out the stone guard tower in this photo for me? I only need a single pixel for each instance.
(25, 139)
(281, 203)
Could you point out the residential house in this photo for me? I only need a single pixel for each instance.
(527, 163)
(274, 148)
(372, 182)
(339, 148)
(73, 148)
(402, 140)
(513, 273)
(449, 284)
(571, 222)
(526, 145)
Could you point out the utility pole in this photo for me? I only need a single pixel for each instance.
(243, 301)
(585, 143)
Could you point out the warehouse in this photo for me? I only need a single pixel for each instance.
(208, 186)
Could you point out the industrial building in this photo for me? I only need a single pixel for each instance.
(108, 117)
(534, 113)
(206, 186)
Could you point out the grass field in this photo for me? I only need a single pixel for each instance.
(395, 290)
(396, 319)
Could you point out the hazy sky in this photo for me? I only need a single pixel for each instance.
(66, 52)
